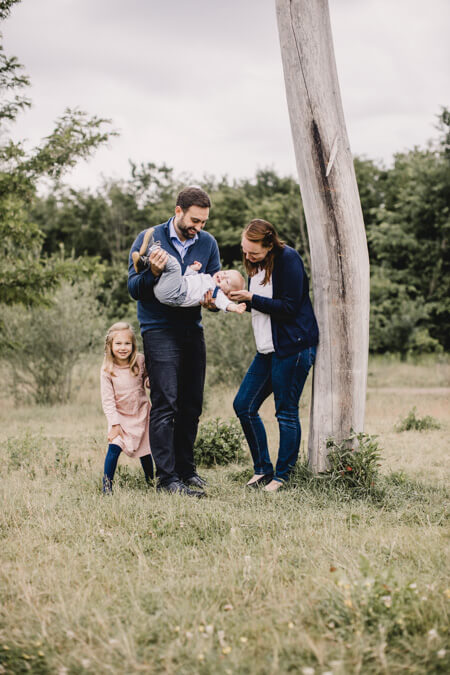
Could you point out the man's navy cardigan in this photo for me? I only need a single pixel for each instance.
(294, 326)
(151, 313)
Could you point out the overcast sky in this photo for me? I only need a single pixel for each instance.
(198, 84)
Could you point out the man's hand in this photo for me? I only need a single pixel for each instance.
(116, 430)
(196, 266)
(158, 260)
(240, 296)
(239, 309)
(208, 301)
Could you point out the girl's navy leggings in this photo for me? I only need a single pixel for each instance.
(111, 459)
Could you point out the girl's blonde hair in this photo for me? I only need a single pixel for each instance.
(108, 361)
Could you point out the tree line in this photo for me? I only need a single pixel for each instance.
(406, 214)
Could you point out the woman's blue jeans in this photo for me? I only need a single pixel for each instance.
(285, 378)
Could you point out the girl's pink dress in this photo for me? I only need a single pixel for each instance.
(126, 402)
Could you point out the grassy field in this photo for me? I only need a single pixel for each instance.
(308, 580)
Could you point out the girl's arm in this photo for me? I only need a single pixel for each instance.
(108, 399)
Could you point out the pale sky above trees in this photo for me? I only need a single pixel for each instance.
(199, 85)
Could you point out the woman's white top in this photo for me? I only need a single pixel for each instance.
(262, 328)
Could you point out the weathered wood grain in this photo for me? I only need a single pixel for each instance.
(339, 257)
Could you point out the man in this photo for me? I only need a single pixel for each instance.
(174, 344)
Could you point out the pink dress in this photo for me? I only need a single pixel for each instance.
(126, 402)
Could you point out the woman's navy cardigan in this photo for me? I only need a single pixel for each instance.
(294, 326)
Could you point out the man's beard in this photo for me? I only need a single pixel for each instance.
(185, 231)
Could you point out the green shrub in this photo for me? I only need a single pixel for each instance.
(41, 345)
(219, 442)
(413, 423)
(354, 462)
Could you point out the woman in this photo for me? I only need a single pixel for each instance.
(286, 335)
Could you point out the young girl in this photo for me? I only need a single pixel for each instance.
(125, 401)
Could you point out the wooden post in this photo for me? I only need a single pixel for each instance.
(339, 257)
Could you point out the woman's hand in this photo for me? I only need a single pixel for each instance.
(158, 261)
(239, 309)
(208, 301)
(116, 430)
(240, 296)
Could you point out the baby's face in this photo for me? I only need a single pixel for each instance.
(228, 280)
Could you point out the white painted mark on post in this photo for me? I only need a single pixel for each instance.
(333, 154)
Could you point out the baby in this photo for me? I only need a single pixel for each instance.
(178, 290)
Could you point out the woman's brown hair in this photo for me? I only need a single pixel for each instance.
(263, 232)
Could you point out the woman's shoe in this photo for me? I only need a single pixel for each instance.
(273, 486)
(263, 479)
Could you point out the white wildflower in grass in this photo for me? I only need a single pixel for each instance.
(113, 641)
(209, 629)
(307, 670)
(201, 657)
(221, 637)
(189, 635)
(387, 600)
(85, 663)
(62, 670)
(226, 650)
(70, 634)
(243, 639)
(201, 628)
(291, 625)
(441, 653)
(412, 586)
(228, 608)
(433, 634)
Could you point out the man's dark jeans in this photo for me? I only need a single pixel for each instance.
(175, 357)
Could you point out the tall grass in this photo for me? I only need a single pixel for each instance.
(306, 580)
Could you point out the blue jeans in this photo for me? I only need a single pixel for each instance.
(285, 378)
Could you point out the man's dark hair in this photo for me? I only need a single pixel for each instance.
(193, 196)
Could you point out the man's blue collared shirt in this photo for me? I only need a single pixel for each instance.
(181, 246)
